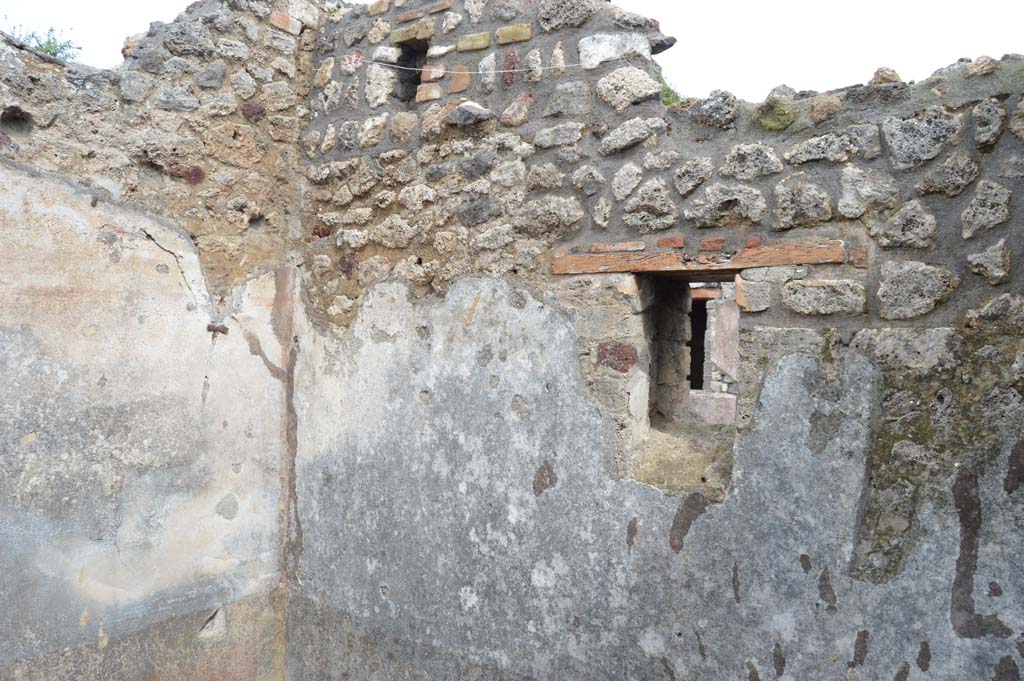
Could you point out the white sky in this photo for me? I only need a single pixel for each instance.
(745, 47)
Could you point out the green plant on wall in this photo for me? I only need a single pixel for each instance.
(669, 97)
(50, 43)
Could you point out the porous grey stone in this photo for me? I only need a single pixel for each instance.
(913, 141)
(243, 83)
(494, 238)
(135, 86)
(799, 203)
(188, 38)
(989, 119)
(629, 134)
(626, 180)
(569, 99)
(233, 49)
(597, 49)
(176, 99)
(478, 209)
(989, 207)
(626, 86)
(602, 212)
(219, 104)
(662, 160)
(557, 14)
(380, 83)
(549, 216)
(693, 173)
(749, 161)
(213, 75)
(651, 208)
(866, 140)
(545, 176)
(468, 113)
(718, 109)
(728, 205)
(450, 21)
(825, 296)
(909, 289)
(488, 68)
(559, 135)
(753, 296)
(912, 226)
(829, 147)
(415, 196)
(993, 263)
(393, 232)
(278, 96)
(588, 180)
(1017, 119)
(865, 190)
(778, 274)
(951, 176)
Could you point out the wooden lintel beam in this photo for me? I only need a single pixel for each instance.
(792, 253)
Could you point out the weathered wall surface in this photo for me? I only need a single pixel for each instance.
(322, 368)
(140, 451)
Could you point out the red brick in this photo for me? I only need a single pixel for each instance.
(617, 247)
(428, 92)
(754, 241)
(286, 23)
(406, 17)
(712, 243)
(431, 72)
(460, 79)
(439, 7)
(618, 356)
(671, 242)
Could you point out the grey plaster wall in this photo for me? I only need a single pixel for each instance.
(460, 523)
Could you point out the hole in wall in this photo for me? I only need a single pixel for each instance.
(692, 332)
(414, 56)
(16, 122)
(698, 333)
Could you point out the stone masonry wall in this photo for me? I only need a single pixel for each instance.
(348, 342)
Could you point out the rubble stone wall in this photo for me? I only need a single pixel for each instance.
(348, 342)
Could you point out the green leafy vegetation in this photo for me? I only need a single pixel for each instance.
(669, 97)
(50, 43)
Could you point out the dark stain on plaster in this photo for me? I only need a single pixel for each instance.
(701, 650)
(1020, 645)
(903, 673)
(994, 590)
(666, 667)
(778, 660)
(691, 508)
(860, 649)
(736, 581)
(1015, 469)
(805, 563)
(631, 530)
(967, 623)
(1006, 670)
(826, 592)
(924, 656)
(752, 674)
(544, 479)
